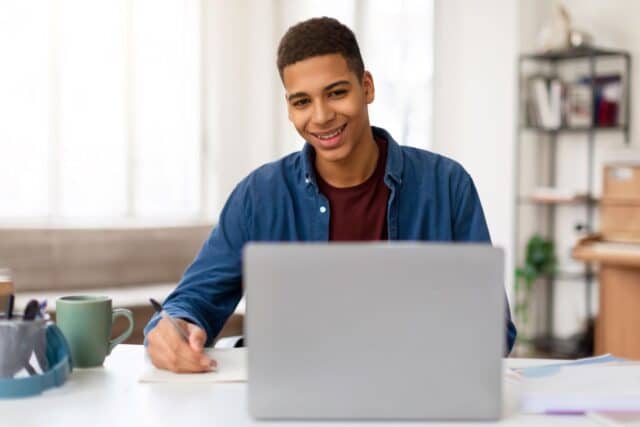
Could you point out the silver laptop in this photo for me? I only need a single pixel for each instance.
(374, 330)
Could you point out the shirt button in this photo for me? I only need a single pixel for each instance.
(323, 209)
(307, 180)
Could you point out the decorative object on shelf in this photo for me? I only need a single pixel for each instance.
(559, 33)
(555, 34)
(540, 261)
(579, 38)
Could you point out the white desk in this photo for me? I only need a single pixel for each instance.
(112, 396)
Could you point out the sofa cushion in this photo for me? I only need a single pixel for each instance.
(65, 259)
(122, 296)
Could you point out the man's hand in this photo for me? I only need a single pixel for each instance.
(168, 350)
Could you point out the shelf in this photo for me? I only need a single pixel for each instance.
(579, 199)
(540, 205)
(548, 202)
(574, 347)
(574, 53)
(571, 275)
(565, 129)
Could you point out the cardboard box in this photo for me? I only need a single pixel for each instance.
(620, 219)
(620, 204)
(621, 181)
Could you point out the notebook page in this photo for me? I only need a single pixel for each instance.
(232, 367)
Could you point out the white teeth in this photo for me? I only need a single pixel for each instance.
(329, 136)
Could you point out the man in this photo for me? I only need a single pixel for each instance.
(350, 182)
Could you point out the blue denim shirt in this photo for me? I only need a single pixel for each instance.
(431, 198)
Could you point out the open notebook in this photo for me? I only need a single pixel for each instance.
(232, 367)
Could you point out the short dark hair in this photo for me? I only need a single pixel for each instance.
(319, 36)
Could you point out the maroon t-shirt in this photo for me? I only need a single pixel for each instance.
(360, 212)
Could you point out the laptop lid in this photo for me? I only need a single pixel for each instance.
(374, 330)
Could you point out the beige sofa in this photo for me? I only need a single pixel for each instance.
(128, 264)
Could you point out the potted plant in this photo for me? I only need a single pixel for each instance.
(539, 261)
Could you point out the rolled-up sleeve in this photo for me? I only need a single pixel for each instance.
(211, 286)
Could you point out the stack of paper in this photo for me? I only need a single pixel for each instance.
(597, 385)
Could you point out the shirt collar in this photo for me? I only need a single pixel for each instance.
(395, 162)
(393, 169)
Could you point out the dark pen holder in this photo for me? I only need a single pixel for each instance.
(34, 356)
(22, 344)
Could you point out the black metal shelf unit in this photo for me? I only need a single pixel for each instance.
(550, 344)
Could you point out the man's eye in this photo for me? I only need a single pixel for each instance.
(300, 103)
(337, 93)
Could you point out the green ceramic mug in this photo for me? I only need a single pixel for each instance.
(86, 323)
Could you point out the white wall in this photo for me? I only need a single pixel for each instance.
(476, 44)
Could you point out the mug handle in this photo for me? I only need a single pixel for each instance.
(121, 312)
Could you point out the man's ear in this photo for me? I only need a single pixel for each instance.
(369, 87)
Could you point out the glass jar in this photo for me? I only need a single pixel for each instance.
(6, 289)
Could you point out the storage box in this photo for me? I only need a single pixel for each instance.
(620, 220)
(621, 180)
(620, 204)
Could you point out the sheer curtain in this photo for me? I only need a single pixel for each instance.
(397, 45)
(155, 109)
(100, 108)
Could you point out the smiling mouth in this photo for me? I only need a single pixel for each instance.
(326, 136)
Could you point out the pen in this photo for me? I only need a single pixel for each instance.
(31, 310)
(10, 306)
(42, 312)
(158, 308)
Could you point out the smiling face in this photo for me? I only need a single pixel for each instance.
(327, 104)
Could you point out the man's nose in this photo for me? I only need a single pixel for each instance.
(322, 113)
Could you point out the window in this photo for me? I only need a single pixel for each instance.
(101, 109)
(397, 46)
(103, 101)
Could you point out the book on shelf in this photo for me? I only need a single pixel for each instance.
(544, 103)
(578, 105)
(552, 104)
(607, 99)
